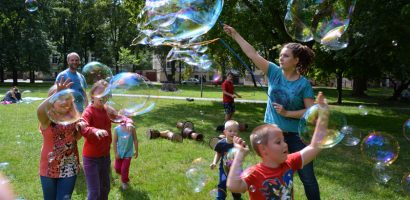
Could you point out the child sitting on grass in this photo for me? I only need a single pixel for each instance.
(273, 177)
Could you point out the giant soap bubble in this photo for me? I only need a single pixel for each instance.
(380, 147)
(333, 136)
(172, 21)
(324, 21)
(95, 71)
(130, 95)
(61, 107)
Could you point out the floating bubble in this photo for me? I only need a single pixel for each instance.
(405, 183)
(319, 20)
(130, 95)
(61, 107)
(95, 71)
(31, 5)
(394, 43)
(196, 178)
(3, 165)
(296, 28)
(363, 110)
(406, 129)
(252, 188)
(352, 135)
(228, 159)
(174, 21)
(380, 147)
(382, 173)
(333, 136)
(216, 78)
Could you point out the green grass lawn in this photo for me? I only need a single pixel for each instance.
(159, 172)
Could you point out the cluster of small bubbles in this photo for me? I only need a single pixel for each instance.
(333, 134)
(321, 21)
(380, 147)
(363, 110)
(201, 112)
(31, 5)
(352, 135)
(61, 107)
(406, 129)
(190, 57)
(382, 173)
(394, 43)
(405, 182)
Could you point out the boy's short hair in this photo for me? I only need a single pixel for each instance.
(260, 135)
(231, 123)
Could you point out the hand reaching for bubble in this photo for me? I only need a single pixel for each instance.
(61, 84)
(280, 109)
(230, 31)
(240, 144)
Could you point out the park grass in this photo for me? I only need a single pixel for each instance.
(159, 172)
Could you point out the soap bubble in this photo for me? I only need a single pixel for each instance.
(61, 107)
(352, 135)
(380, 147)
(31, 5)
(333, 135)
(95, 71)
(382, 173)
(406, 129)
(163, 22)
(129, 95)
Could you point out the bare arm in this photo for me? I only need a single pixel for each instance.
(311, 151)
(114, 144)
(248, 49)
(234, 182)
(134, 134)
(296, 114)
(227, 93)
(217, 157)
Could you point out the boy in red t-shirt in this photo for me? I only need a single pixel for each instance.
(229, 94)
(273, 177)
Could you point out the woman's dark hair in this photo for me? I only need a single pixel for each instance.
(305, 55)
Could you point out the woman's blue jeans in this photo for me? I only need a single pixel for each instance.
(306, 174)
(57, 188)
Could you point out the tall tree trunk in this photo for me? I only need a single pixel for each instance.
(339, 75)
(32, 76)
(173, 70)
(180, 71)
(15, 82)
(1, 74)
(359, 86)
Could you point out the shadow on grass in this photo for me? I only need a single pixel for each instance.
(134, 193)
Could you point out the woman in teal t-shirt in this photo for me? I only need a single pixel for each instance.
(290, 94)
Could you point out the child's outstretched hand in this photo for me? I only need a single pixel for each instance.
(101, 133)
(240, 144)
(212, 165)
(323, 106)
(135, 154)
(61, 85)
